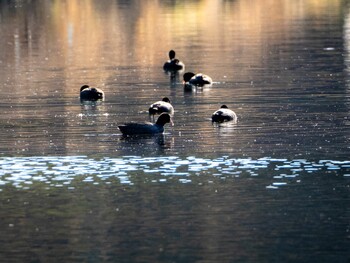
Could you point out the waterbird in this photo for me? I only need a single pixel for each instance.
(89, 93)
(224, 114)
(173, 64)
(133, 128)
(161, 106)
(198, 79)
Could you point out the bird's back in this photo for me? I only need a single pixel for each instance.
(140, 128)
(91, 94)
(160, 107)
(223, 115)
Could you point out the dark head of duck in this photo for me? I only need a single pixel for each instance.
(163, 119)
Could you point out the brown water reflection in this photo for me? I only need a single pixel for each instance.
(84, 38)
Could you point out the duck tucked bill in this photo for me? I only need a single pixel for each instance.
(161, 106)
(199, 79)
(92, 94)
(224, 114)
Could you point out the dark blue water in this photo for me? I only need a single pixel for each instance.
(274, 187)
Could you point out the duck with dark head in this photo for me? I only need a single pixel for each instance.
(88, 93)
(146, 128)
(173, 64)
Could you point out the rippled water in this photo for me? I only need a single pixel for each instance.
(22, 172)
(272, 188)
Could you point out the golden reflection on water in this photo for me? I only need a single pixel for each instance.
(94, 34)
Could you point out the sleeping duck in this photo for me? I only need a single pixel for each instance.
(133, 128)
(161, 106)
(224, 114)
(197, 79)
(173, 64)
(92, 94)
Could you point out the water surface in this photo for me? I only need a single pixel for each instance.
(272, 188)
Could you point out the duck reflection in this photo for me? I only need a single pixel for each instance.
(91, 107)
(146, 143)
(174, 78)
(189, 88)
(225, 128)
(228, 125)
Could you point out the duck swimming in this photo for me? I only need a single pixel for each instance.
(161, 106)
(92, 94)
(224, 114)
(133, 128)
(197, 79)
(173, 64)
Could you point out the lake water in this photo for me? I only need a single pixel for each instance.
(275, 187)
